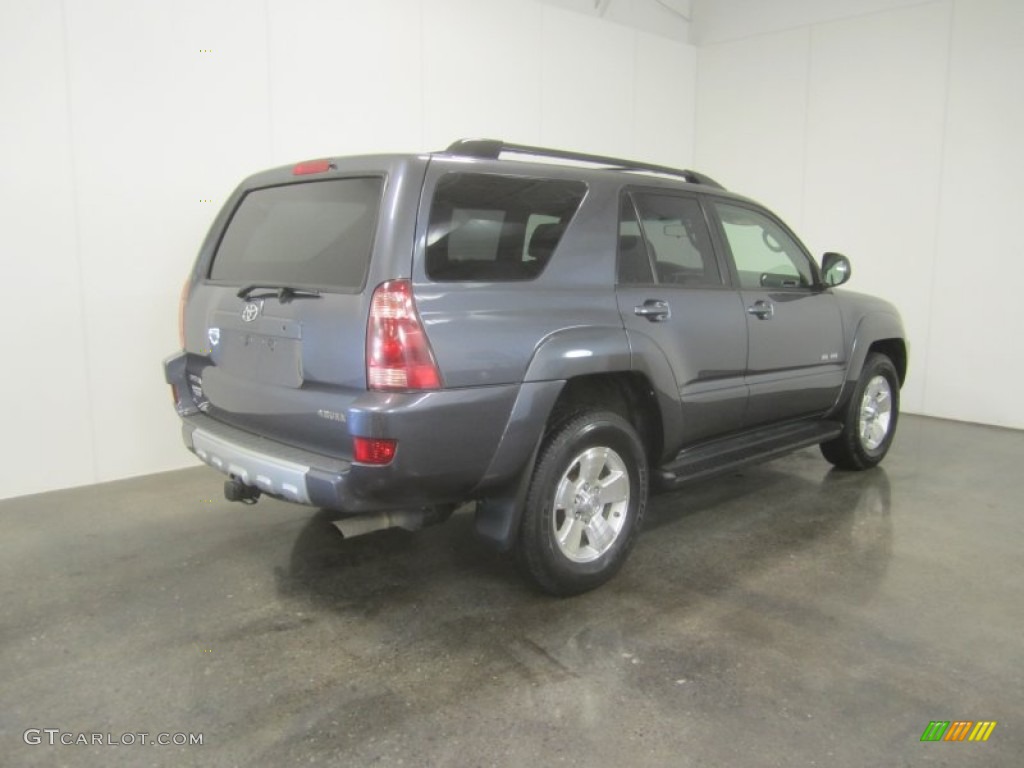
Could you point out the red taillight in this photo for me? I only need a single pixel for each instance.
(373, 450)
(398, 355)
(311, 166)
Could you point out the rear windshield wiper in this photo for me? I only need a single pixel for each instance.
(284, 293)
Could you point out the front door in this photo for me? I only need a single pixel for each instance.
(796, 359)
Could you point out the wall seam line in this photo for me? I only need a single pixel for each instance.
(635, 81)
(270, 89)
(809, 71)
(423, 79)
(695, 161)
(80, 268)
(939, 199)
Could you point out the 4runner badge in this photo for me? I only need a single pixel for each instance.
(250, 312)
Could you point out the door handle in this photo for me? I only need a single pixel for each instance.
(761, 309)
(654, 310)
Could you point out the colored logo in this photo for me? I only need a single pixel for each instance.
(958, 730)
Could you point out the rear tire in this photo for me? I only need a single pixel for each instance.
(585, 504)
(871, 416)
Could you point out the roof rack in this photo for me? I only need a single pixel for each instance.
(492, 149)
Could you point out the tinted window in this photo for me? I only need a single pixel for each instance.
(634, 264)
(677, 238)
(535, 220)
(765, 255)
(487, 227)
(312, 234)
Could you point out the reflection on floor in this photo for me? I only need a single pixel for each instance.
(784, 615)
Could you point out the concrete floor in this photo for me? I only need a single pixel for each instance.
(783, 616)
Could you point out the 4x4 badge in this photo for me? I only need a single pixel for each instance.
(250, 311)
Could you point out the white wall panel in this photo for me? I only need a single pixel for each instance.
(874, 157)
(481, 71)
(719, 20)
(751, 118)
(665, 81)
(665, 18)
(345, 77)
(586, 83)
(47, 426)
(656, 17)
(158, 127)
(975, 365)
(911, 161)
(908, 159)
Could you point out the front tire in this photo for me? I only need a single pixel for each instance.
(585, 504)
(871, 416)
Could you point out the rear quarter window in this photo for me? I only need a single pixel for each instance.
(486, 227)
(316, 234)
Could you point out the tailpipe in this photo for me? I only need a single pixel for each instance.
(236, 490)
(409, 519)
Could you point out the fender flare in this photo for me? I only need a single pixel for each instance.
(579, 351)
(649, 359)
(876, 326)
(563, 355)
(560, 356)
(872, 327)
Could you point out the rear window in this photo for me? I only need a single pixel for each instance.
(311, 234)
(486, 227)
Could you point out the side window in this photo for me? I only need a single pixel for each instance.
(634, 265)
(475, 234)
(533, 223)
(765, 255)
(486, 227)
(677, 238)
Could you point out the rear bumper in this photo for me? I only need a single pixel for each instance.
(452, 444)
(277, 470)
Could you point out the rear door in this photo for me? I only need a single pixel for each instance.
(675, 296)
(277, 322)
(796, 358)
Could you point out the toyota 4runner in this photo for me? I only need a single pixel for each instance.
(545, 333)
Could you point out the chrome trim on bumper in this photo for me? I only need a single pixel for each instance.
(270, 474)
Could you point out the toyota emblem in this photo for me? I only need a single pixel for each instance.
(250, 311)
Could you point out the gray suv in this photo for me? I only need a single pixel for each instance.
(545, 333)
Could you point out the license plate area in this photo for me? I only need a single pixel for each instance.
(268, 350)
(267, 359)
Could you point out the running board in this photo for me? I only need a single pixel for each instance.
(748, 448)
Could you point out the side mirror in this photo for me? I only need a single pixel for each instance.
(835, 269)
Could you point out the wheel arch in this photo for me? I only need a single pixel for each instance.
(896, 350)
(571, 370)
(876, 332)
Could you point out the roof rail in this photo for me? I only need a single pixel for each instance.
(492, 149)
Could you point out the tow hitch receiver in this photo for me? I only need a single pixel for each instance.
(236, 490)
